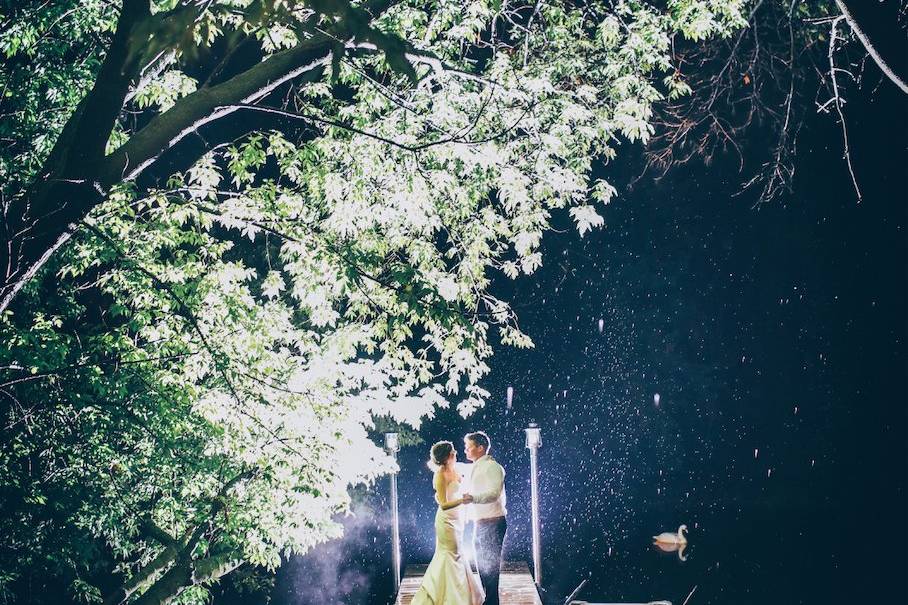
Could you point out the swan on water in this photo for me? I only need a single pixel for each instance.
(670, 538)
(666, 547)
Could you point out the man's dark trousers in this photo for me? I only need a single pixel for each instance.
(489, 541)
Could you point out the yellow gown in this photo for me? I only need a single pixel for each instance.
(449, 579)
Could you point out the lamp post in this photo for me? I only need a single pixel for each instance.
(393, 446)
(534, 442)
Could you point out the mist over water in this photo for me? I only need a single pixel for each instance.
(353, 569)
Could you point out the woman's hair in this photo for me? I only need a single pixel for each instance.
(439, 454)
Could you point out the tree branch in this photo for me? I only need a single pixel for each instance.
(881, 63)
(41, 219)
(141, 578)
(185, 571)
(833, 38)
(46, 215)
(201, 107)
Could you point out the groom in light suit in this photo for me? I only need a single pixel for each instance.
(489, 504)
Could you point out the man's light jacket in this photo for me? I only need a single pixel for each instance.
(487, 482)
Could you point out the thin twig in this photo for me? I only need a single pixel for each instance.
(833, 38)
(412, 148)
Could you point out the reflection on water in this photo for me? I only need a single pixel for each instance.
(672, 542)
(672, 547)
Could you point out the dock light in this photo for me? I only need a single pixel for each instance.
(534, 436)
(534, 442)
(392, 444)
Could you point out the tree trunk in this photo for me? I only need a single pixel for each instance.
(47, 215)
(40, 220)
(187, 573)
(169, 586)
(78, 176)
(141, 578)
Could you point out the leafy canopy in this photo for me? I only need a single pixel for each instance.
(193, 382)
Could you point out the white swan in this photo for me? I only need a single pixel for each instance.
(679, 548)
(670, 538)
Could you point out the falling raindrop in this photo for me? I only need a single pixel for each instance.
(756, 452)
(601, 325)
(656, 399)
(510, 396)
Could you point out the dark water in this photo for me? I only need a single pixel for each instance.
(775, 340)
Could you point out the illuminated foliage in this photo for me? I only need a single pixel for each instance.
(190, 381)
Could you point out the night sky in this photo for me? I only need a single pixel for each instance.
(741, 370)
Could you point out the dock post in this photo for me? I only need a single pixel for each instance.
(534, 442)
(393, 446)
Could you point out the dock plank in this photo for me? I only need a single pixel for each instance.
(517, 586)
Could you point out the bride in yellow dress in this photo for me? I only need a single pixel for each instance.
(449, 579)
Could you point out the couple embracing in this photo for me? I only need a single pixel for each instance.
(449, 579)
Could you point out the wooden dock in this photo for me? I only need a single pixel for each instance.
(517, 586)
